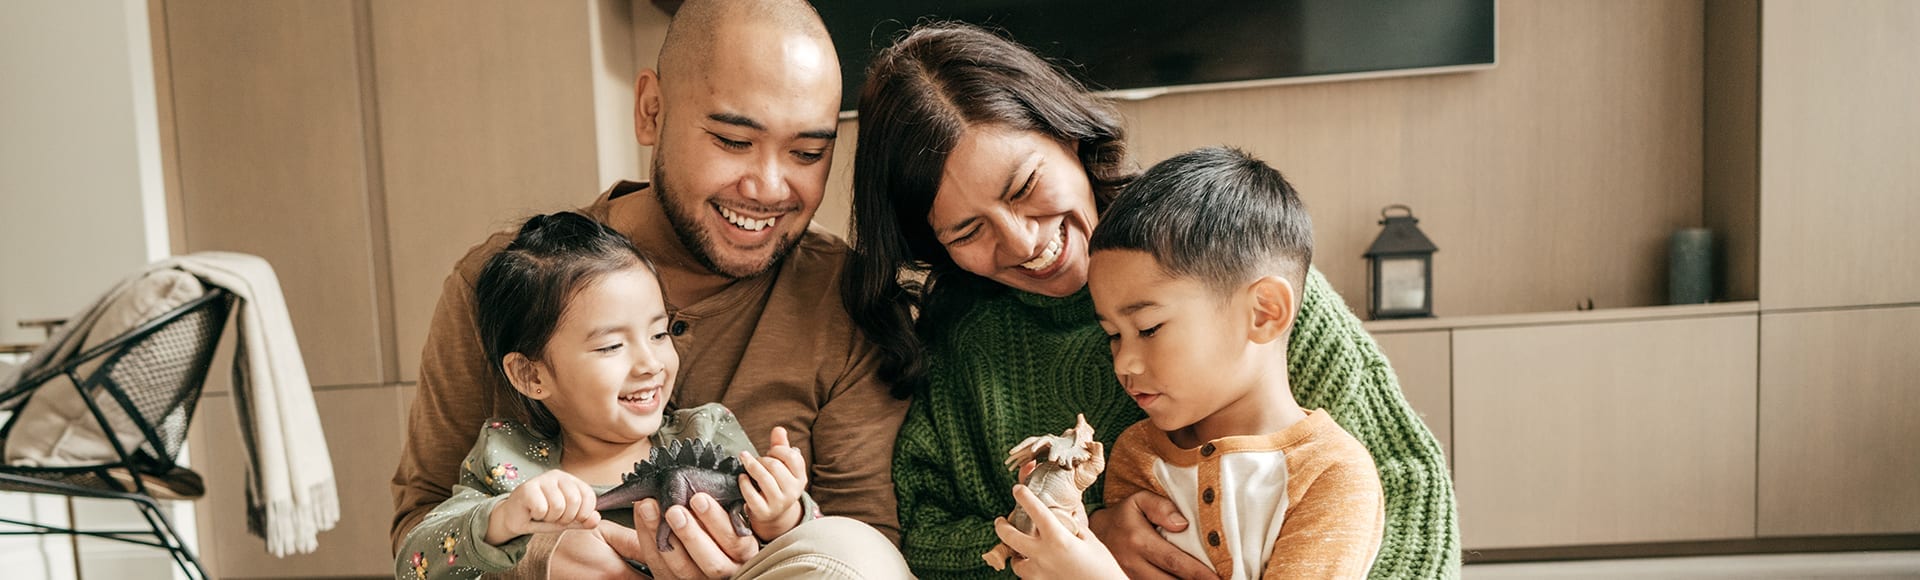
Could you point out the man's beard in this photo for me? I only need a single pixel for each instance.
(699, 242)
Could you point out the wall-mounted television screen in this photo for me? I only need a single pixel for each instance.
(1138, 48)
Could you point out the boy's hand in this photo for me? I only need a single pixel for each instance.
(772, 487)
(552, 502)
(1052, 550)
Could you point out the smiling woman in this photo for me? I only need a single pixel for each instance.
(982, 173)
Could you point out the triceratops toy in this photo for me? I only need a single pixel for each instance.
(1062, 466)
(674, 473)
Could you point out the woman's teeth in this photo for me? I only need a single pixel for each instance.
(746, 223)
(1048, 256)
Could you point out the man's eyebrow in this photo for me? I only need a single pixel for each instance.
(744, 121)
(737, 120)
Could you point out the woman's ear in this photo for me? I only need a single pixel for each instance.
(526, 376)
(646, 107)
(1274, 301)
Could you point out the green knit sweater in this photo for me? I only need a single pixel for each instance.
(1017, 364)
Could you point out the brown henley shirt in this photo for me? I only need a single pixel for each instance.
(777, 349)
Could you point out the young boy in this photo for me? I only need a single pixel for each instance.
(1196, 275)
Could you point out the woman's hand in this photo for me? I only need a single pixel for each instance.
(1053, 550)
(1133, 526)
(552, 502)
(772, 487)
(696, 551)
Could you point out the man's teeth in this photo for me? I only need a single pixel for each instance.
(1047, 257)
(746, 223)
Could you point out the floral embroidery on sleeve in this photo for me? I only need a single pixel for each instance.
(502, 473)
(419, 563)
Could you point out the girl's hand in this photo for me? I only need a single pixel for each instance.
(777, 481)
(552, 502)
(1052, 550)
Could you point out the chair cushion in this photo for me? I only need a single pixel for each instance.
(55, 429)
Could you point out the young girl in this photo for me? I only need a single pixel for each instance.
(575, 319)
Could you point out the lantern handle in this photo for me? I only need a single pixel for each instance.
(1401, 207)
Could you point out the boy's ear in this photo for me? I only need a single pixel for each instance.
(1274, 302)
(524, 373)
(646, 107)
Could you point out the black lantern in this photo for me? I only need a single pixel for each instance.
(1400, 269)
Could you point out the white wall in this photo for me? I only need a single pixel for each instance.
(81, 197)
(82, 204)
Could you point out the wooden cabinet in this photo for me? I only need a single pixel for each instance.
(1605, 432)
(1839, 422)
(1423, 361)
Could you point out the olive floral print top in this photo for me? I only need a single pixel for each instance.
(450, 542)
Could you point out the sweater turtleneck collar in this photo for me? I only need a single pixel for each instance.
(1072, 309)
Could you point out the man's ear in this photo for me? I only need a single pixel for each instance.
(526, 376)
(646, 107)
(1273, 300)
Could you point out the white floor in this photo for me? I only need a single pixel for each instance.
(1841, 565)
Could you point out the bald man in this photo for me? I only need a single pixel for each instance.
(741, 115)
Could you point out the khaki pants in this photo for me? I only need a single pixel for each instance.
(830, 547)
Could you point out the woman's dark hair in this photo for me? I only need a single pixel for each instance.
(920, 94)
(524, 289)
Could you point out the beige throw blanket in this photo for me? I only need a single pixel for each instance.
(290, 485)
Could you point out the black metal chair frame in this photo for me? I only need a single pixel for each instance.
(155, 456)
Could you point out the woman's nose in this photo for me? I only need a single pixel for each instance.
(1017, 237)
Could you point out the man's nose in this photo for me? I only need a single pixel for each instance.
(765, 181)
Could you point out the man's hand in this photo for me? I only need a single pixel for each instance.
(1052, 550)
(1129, 530)
(696, 552)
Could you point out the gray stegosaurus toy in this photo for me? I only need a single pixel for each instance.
(672, 475)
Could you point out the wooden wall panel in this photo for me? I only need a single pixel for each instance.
(1840, 153)
(271, 161)
(486, 115)
(1839, 418)
(363, 430)
(1423, 361)
(1556, 177)
(1605, 433)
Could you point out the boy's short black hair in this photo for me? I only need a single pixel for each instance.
(1217, 215)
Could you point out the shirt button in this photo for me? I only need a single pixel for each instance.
(1213, 539)
(1207, 495)
(1206, 450)
(679, 327)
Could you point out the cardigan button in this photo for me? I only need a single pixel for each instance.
(1207, 495)
(1206, 450)
(1213, 539)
